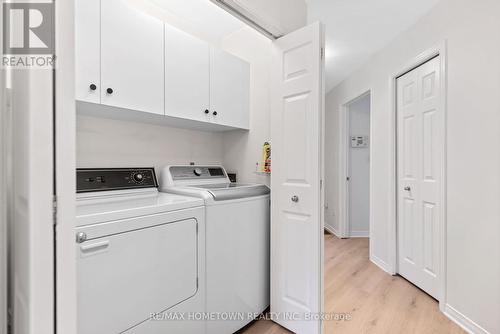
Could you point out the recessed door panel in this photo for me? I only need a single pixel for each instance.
(295, 135)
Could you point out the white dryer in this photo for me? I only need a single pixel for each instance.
(140, 253)
(237, 242)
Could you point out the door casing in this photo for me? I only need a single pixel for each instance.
(436, 50)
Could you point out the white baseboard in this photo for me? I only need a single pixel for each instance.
(381, 264)
(359, 234)
(467, 324)
(332, 230)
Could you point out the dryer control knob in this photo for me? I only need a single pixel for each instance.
(197, 171)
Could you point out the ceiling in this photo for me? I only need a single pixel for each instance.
(201, 18)
(356, 29)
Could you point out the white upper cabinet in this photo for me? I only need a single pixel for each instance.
(87, 50)
(229, 89)
(132, 58)
(187, 76)
(139, 65)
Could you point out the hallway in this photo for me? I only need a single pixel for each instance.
(375, 301)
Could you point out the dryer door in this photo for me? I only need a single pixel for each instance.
(124, 278)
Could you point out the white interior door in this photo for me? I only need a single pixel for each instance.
(420, 162)
(297, 219)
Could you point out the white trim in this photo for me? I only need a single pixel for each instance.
(437, 50)
(461, 320)
(332, 230)
(65, 148)
(343, 186)
(359, 234)
(381, 264)
(3, 196)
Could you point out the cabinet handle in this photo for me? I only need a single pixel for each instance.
(207, 111)
(109, 91)
(93, 87)
(214, 113)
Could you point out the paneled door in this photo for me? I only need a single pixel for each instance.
(420, 137)
(296, 197)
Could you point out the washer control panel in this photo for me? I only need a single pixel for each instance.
(89, 179)
(196, 172)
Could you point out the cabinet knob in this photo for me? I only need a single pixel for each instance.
(93, 87)
(214, 113)
(206, 111)
(109, 91)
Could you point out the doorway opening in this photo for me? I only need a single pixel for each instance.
(355, 155)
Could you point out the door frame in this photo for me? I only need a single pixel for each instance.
(343, 185)
(434, 51)
(64, 169)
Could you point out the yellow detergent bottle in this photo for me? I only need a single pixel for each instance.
(266, 158)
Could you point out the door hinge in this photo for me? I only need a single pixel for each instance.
(54, 209)
(322, 53)
(10, 320)
(320, 184)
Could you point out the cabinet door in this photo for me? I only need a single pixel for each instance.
(132, 58)
(187, 70)
(88, 50)
(229, 89)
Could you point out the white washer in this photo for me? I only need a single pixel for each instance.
(139, 252)
(237, 242)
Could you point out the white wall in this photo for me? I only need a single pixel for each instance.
(359, 169)
(114, 143)
(473, 133)
(242, 150)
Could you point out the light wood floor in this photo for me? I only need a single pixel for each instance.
(376, 301)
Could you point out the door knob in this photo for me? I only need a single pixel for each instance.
(295, 199)
(81, 237)
(407, 188)
(215, 113)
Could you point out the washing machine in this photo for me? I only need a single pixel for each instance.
(140, 254)
(237, 242)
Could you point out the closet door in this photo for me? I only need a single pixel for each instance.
(187, 76)
(88, 50)
(229, 89)
(132, 58)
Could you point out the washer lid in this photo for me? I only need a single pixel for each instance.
(227, 191)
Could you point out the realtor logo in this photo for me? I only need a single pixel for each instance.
(28, 34)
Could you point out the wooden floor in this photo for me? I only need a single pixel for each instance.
(376, 301)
